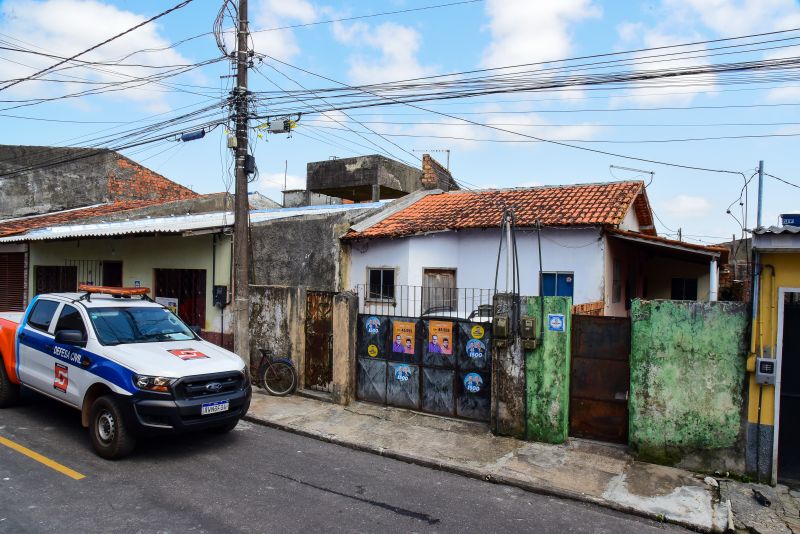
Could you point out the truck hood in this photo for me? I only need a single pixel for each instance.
(175, 359)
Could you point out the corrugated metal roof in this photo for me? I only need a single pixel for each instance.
(778, 230)
(177, 224)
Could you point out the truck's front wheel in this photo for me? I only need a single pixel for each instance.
(9, 392)
(110, 436)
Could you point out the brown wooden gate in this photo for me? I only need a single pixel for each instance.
(319, 340)
(600, 378)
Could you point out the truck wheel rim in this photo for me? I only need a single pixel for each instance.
(105, 426)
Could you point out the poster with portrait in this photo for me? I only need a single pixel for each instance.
(440, 337)
(403, 337)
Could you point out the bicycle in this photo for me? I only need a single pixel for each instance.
(277, 375)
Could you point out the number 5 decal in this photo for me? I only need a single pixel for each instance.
(61, 380)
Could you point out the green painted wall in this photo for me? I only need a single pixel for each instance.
(548, 368)
(687, 375)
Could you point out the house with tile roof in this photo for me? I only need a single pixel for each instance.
(598, 245)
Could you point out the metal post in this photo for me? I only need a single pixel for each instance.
(241, 245)
(509, 255)
(760, 192)
(713, 281)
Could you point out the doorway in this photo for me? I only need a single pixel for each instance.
(188, 287)
(600, 378)
(112, 273)
(319, 341)
(789, 403)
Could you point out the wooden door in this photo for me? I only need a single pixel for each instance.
(319, 340)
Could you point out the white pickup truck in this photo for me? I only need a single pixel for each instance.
(130, 365)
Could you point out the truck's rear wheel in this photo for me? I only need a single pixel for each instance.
(9, 392)
(110, 436)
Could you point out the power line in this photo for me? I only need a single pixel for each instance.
(782, 180)
(610, 141)
(67, 60)
(558, 143)
(348, 116)
(360, 17)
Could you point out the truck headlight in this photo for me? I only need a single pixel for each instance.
(153, 383)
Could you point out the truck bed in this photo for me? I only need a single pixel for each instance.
(14, 317)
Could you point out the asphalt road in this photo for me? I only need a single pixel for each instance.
(255, 479)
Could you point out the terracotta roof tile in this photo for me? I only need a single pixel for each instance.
(573, 205)
(24, 224)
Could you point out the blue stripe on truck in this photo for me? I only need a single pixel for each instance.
(102, 367)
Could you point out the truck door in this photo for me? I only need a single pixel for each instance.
(70, 379)
(36, 345)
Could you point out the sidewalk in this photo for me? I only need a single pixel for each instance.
(581, 470)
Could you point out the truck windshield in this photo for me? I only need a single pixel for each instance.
(138, 325)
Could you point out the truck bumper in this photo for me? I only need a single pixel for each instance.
(149, 416)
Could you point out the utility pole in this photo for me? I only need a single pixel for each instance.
(241, 241)
(760, 192)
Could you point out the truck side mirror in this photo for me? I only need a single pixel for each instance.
(70, 337)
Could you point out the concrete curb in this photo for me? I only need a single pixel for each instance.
(486, 476)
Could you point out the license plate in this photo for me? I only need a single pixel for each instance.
(214, 407)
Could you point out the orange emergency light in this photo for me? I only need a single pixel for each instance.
(116, 291)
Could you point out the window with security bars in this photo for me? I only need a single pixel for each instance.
(439, 290)
(381, 283)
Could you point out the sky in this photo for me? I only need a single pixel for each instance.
(467, 36)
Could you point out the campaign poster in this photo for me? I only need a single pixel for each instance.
(169, 303)
(403, 335)
(440, 337)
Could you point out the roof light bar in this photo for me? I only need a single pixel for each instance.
(116, 291)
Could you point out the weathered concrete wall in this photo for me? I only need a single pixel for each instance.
(353, 178)
(300, 251)
(45, 179)
(277, 319)
(533, 384)
(548, 369)
(687, 383)
(345, 332)
(508, 377)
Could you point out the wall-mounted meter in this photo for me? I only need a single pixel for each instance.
(766, 369)
(527, 327)
(500, 330)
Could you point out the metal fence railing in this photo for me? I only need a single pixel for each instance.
(422, 301)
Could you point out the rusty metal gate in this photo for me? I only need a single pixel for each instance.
(319, 340)
(600, 378)
(440, 366)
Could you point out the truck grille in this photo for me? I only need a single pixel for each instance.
(195, 387)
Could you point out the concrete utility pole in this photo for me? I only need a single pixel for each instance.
(241, 241)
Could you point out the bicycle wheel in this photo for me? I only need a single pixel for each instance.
(279, 378)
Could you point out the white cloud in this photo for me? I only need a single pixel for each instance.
(737, 17)
(266, 14)
(271, 184)
(65, 27)
(687, 206)
(397, 48)
(525, 31)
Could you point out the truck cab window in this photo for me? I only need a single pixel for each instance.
(70, 319)
(42, 314)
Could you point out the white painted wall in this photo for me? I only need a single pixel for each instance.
(631, 221)
(473, 253)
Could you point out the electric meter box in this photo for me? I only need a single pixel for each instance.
(766, 369)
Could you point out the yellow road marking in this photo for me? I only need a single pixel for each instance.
(52, 464)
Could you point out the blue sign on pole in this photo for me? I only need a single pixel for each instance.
(790, 219)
